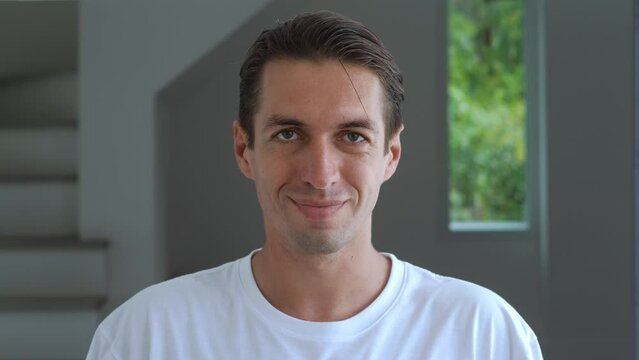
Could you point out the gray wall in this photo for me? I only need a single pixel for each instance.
(590, 168)
(212, 214)
(159, 93)
(128, 52)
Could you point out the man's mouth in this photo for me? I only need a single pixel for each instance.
(320, 209)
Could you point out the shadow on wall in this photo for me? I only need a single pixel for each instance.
(210, 213)
(209, 210)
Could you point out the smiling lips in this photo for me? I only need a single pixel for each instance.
(318, 210)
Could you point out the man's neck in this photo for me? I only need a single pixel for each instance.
(321, 287)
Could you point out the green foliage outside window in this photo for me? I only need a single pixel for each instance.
(486, 110)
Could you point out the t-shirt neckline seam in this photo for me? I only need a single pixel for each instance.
(324, 331)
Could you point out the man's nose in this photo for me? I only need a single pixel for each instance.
(320, 165)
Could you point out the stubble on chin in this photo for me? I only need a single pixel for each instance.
(318, 243)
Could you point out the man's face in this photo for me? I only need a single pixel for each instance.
(318, 159)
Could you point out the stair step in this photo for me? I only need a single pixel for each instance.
(38, 151)
(70, 241)
(37, 178)
(36, 124)
(38, 37)
(52, 267)
(38, 208)
(39, 101)
(51, 288)
(23, 303)
(46, 334)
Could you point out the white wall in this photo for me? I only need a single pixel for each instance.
(128, 51)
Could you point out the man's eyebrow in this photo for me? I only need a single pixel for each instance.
(363, 123)
(279, 120)
(283, 121)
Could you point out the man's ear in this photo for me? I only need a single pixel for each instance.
(394, 153)
(241, 149)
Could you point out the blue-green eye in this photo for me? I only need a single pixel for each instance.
(353, 137)
(287, 135)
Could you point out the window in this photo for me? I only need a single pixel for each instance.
(487, 112)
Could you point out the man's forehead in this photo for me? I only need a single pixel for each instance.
(293, 86)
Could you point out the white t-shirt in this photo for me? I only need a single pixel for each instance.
(221, 314)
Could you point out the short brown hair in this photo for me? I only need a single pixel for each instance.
(317, 36)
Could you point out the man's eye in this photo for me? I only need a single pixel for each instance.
(287, 135)
(353, 137)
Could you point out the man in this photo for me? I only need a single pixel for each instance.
(318, 133)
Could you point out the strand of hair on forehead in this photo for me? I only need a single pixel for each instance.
(355, 89)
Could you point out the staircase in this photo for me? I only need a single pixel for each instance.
(52, 283)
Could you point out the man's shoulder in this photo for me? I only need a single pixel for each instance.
(455, 296)
(434, 285)
(207, 289)
(464, 299)
(205, 282)
(478, 320)
(181, 306)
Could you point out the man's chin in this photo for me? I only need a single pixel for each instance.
(319, 243)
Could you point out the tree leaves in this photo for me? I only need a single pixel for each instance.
(486, 111)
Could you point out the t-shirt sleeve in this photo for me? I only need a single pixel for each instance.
(532, 349)
(495, 330)
(511, 337)
(521, 342)
(100, 348)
